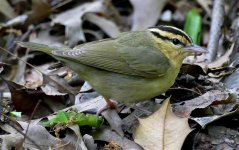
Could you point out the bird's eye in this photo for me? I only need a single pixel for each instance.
(175, 41)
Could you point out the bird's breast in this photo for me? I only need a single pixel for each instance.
(131, 89)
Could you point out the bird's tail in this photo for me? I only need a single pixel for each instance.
(39, 47)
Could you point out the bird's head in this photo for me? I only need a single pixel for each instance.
(175, 43)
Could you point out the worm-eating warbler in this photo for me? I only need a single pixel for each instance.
(132, 67)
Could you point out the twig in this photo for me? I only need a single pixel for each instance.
(180, 88)
(235, 31)
(215, 31)
(33, 113)
(61, 4)
(21, 60)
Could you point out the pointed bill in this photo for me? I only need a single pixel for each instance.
(195, 49)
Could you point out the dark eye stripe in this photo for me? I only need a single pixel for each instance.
(175, 31)
(158, 35)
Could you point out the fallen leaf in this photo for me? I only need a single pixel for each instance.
(217, 68)
(90, 103)
(199, 102)
(110, 136)
(146, 13)
(114, 120)
(25, 100)
(44, 36)
(50, 90)
(33, 16)
(204, 121)
(60, 84)
(108, 26)
(38, 137)
(80, 144)
(162, 130)
(223, 59)
(72, 19)
(217, 138)
(232, 81)
(89, 142)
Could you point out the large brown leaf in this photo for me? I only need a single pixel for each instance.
(162, 130)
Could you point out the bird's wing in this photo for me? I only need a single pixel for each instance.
(42, 47)
(116, 55)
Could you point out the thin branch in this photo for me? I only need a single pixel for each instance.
(32, 115)
(215, 31)
(180, 88)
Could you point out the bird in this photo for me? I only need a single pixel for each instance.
(130, 68)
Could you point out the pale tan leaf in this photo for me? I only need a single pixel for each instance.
(223, 59)
(108, 26)
(72, 19)
(162, 130)
(146, 13)
(219, 64)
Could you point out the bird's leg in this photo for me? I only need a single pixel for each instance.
(110, 104)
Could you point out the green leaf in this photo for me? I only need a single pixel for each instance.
(193, 25)
(72, 117)
(15, 114)
(89, 119)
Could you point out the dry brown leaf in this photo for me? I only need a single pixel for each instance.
(162, 130)
(199, 102)
(25, 100)
(222, 60)
(205, 121)
(33, 16)
(218, 64)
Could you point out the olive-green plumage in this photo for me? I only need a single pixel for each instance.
(132, 67)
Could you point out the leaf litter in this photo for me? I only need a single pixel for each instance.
(205, 96)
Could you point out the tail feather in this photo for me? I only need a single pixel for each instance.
(40, 47)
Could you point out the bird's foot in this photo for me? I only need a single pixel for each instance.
(110, 104)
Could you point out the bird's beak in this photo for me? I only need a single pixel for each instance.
(195, 49)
